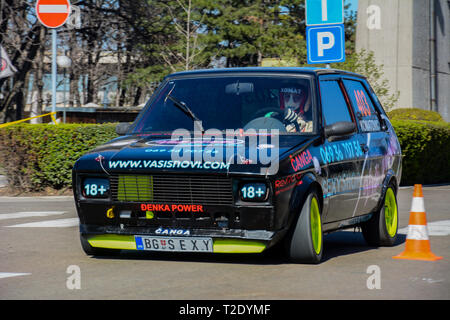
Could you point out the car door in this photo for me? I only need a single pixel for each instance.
(342, 156)
(373, 139)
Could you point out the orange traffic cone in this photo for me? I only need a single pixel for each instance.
(417, 243)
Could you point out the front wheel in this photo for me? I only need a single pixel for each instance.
(305, 243)
(381, 229)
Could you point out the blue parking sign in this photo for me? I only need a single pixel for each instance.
(324, 12)
(325, 44)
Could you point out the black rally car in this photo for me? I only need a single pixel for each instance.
(239, 160)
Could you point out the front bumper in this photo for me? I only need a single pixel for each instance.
(224, 241)
(127, 242)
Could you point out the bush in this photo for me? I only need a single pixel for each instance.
(41, 155)
(426, 151)
(38, 156)
(414, 114)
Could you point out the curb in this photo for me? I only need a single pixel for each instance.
(35, 198)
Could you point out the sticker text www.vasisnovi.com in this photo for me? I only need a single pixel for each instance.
(167, 164)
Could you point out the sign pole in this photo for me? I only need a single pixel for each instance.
(53, 70)
(53, 14)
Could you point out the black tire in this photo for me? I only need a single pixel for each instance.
(300, 245)
(92, 251)
(375, 231)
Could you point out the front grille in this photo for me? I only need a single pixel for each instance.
(180, 189)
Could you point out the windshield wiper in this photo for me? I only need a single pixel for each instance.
(186, 110)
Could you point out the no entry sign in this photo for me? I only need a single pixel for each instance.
(52, 13)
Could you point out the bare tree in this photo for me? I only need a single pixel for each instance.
(20, 35)
(187, 26)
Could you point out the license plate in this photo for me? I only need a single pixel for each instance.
(173, 244)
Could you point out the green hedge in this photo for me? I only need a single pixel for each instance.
(414, 114)
(41, 155)
(38, 156)
(426, 151)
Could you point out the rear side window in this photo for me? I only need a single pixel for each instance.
(363, 107)
(334, 106)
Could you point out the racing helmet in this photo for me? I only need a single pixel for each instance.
(293, 98)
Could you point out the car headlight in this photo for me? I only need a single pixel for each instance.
(256, 191)
(96, 188)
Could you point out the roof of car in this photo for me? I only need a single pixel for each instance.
(299, 70)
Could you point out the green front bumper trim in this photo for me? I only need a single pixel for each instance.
(127, 242)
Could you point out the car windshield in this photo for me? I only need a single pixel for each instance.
(231, 102)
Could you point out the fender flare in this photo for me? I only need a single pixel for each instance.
(299, 194)
(388, 180)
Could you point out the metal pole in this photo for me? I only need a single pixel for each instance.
(64, 113)
(53, 70)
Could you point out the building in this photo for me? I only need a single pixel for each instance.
(105, 110)
(411, 38)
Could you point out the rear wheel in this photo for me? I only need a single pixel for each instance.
(381, 229)
(305, 243)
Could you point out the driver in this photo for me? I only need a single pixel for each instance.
(297, 109)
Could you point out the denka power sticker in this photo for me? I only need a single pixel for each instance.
(172, 207)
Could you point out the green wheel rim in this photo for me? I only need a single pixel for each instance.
(390, 212)
(316, 226)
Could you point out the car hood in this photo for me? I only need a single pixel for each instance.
(246, 155)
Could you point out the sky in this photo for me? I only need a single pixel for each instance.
(353, 4)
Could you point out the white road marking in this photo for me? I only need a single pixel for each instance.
(60, 223)
(26, 214)
(10, 274)
(35, 199)
(436, 228)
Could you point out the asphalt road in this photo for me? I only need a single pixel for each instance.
(41, 258)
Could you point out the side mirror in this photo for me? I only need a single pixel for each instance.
(341, 128)
(122, 128)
